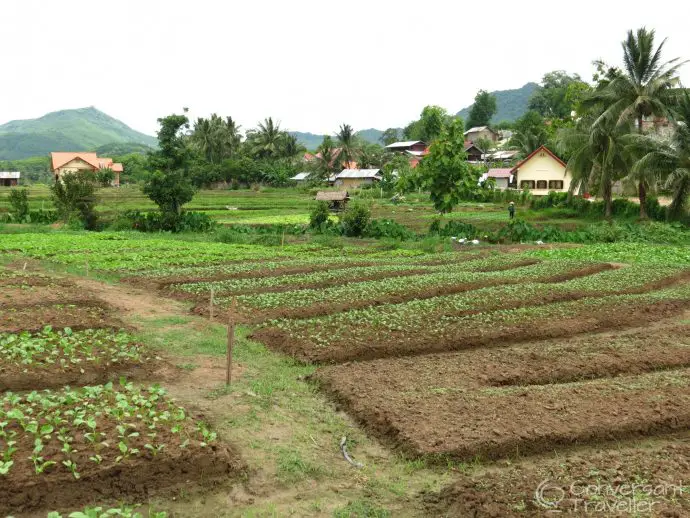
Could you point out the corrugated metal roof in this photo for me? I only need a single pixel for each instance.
(358, 173)
(9, 175)
(300, 176)
(406, 143)
(476, 129)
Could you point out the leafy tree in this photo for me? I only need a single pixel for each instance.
(390, 136)
(372, 156)
(19, 204)
(169, 184)
(430, 124)
(669, 160)
(482, 110)
(645, 87)
(558, 94)
(408, 179)
(74, 196)
(105, 177)
(319, 215)
(134, 167)
(355, 218)
(485, 144)
(450, 178)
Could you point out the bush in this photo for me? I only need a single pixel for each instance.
(74, 196)
(355, 219)
(170, 222)
(319, 215)
(381, 228)
(454, 228)
(19, 203)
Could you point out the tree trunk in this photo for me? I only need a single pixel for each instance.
(608, 199)
(642, 192)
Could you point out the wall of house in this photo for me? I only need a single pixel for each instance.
(74, 166)
(352, 183)
(501, 183)
(474, 136)
(543, 166)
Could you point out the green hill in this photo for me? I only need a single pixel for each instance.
(84, 129)
(510, 104)
(312, 140)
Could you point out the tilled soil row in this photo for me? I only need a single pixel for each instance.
(247, 315)
(495, 423)
(634, 480)
(131, 481)
(91, 315)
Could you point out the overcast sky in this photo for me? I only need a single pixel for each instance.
(310, 64)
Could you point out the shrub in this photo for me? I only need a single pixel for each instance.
(158, 222)
(319, 215)
(380, 228)
(355, 219)
(19, 203)
(74, 196)
(454, 228)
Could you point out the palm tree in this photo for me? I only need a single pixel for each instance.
(669, 160)
(347, 142)
(326, 156)
(290, 146)
(644, 88)
(599, 155)
(265, 141)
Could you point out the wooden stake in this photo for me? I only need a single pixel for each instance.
(231, 342)
(282, 240)
(210, 307)
(87, 268)
(24, 266)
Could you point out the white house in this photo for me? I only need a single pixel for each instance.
(542, 172)
(503, 177)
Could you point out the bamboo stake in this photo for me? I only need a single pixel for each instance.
(24, 266)
(210, 307)
(282, 240)
(87, 268)
(231, 342)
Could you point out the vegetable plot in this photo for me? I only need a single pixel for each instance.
(90, 435)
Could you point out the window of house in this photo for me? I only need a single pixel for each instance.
(527, 184)
(541, 184)
(556, 184)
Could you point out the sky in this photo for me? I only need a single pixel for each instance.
(312, 65)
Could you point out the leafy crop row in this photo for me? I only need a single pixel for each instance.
(75, 430)
(67, 349)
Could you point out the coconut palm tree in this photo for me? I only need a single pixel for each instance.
(645, 87)
(669, 159)
(599, 155)
(266, 140)
(348, 143)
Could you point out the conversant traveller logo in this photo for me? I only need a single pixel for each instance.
(640, 498)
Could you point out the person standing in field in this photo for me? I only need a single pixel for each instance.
(511, 210)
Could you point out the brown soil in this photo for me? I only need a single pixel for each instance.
(455, 338)
(434, 398)
(139, 479)
(15, 297)
(34, 318)
(587, 482)
(519, 420)
(37, 377)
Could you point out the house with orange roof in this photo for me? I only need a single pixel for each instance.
(71, 162)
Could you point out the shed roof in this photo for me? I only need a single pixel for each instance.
(477, 129)
(9, 175)
(358, 173)
(300, 176)
(332, 196)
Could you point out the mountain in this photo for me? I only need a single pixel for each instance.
(84, 129)
(311, 140)
(510, 104)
